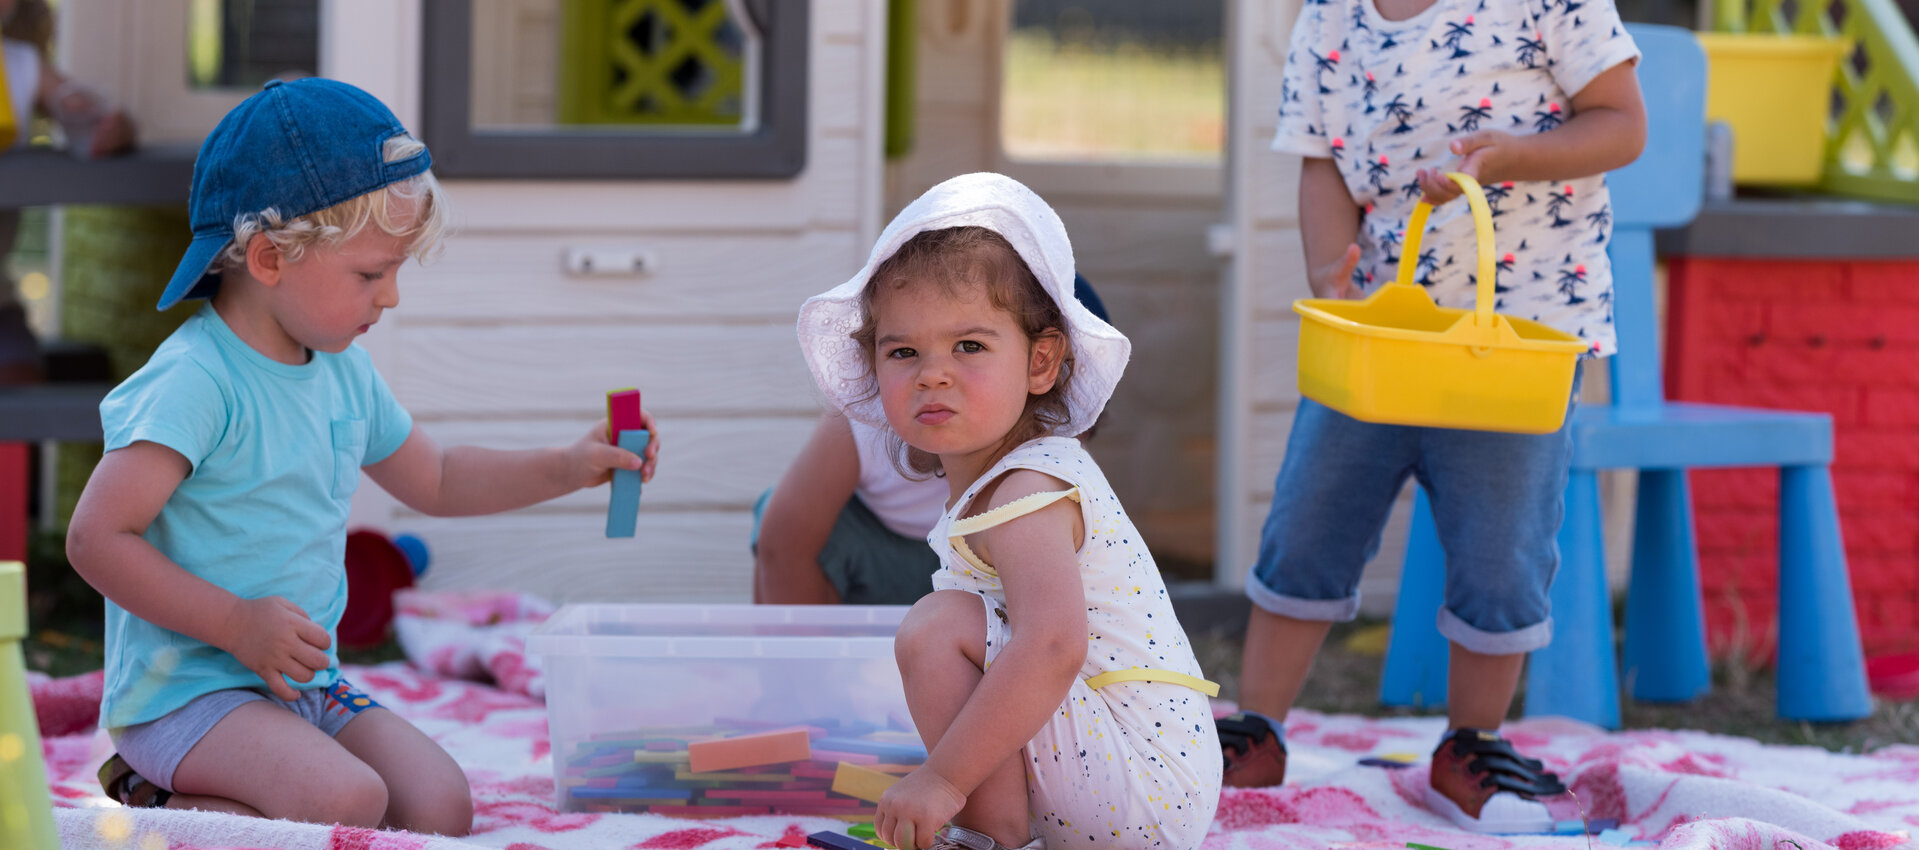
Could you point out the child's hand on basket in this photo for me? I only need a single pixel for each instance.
(1335, 279)
(277, 641)
(915, 808)
(1482, 156)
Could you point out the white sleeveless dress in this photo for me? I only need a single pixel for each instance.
(1131, 759)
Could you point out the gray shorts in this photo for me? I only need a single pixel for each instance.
(154, 748)
(865, 561)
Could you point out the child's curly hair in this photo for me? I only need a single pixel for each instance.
(956, 259)
(343, 221)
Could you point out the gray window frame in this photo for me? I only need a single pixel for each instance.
(776, 149)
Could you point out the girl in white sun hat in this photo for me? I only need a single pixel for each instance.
(1058, 697)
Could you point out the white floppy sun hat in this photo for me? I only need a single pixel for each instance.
(1004, 206)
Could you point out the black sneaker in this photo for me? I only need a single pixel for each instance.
(131, 789)
(1482, 784)
(1255, 756)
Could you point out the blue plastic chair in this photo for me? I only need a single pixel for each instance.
(1821, 669)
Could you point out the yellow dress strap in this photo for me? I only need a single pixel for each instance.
(956, 533)
(1010, 511)
(1146, 674)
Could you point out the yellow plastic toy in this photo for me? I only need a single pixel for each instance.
(1397, 358)
(8, 129)
(26, 812)
(1774, 90)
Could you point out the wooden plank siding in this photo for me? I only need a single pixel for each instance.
(1260, 336)
(496, 344)
(1139, 235)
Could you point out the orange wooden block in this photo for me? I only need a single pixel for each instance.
(749, 750)
(864, 783)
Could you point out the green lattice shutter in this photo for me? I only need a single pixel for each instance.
(666, 62)
(1873, 144)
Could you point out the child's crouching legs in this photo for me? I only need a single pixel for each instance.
(942, 649)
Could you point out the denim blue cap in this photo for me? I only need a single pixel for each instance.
(297, 147)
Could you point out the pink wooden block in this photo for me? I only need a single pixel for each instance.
(622, 413)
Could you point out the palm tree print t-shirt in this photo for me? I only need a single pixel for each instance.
(1384, 99)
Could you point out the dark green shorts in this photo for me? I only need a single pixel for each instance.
(866, 562)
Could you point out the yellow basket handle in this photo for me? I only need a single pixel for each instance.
(1482, 228)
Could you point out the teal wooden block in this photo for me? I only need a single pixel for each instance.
(623, 509)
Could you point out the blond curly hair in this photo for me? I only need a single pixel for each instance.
(343, 221)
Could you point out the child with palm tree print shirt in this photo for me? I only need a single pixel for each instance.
(1536, 99)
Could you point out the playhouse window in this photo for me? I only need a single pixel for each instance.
(240, 44)
(1114, 80)
(616, 88)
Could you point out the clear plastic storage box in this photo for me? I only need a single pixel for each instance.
(724, 710)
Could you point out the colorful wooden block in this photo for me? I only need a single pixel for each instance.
(626, 428)
(815, 769)
(862, 782)
(623, 413)
(836, 841)
(749, 750)
(725, 776)
(845, 756)
(653, 769)
(623, 509)
(893, 753)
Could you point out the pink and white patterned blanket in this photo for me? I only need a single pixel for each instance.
(1682, 789)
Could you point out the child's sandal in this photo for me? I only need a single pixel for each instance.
(121, 783)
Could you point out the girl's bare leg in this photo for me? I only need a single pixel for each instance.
(942, 656)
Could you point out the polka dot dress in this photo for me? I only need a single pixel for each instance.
(1131, 764)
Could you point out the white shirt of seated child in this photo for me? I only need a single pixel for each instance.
(906, 507)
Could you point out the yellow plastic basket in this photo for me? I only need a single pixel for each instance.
(1399, 359)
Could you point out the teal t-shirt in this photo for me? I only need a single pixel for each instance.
(276, 452)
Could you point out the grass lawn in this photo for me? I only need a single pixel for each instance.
(1072, 101)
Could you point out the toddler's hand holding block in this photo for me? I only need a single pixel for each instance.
(626, 429)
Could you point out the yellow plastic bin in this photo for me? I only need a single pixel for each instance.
(1399, 359)
(1775, 91)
